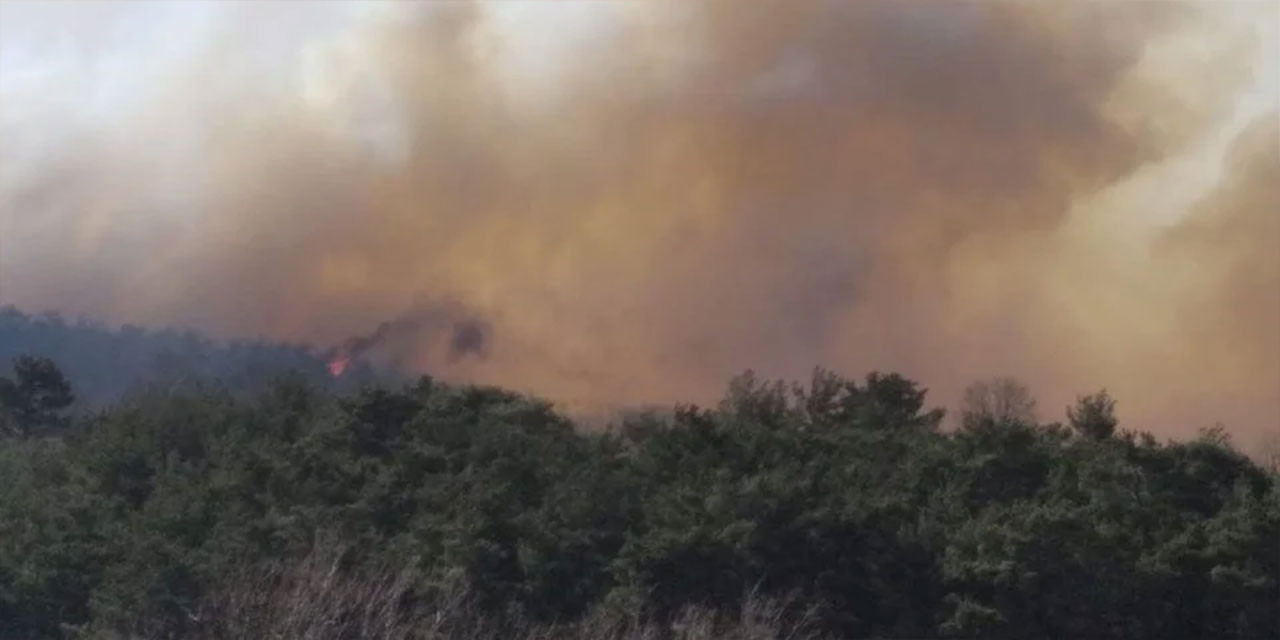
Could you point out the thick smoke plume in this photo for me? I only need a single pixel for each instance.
(429, 325)
(641, 199)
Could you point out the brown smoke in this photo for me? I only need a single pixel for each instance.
(439, 326)
(929, 188)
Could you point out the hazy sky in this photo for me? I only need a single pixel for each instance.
(642, 199)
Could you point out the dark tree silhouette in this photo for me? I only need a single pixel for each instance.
(34, 401)
(1094, 416)
(998, 400)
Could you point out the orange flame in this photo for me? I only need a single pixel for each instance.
(339, 364)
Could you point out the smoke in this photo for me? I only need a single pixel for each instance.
(628, 203)
(430, 327)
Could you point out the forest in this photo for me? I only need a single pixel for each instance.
(105, 363)
(840, 507)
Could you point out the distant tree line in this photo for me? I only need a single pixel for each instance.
(169, 513)
(104, 363)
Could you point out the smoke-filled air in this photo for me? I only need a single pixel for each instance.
(613, 204)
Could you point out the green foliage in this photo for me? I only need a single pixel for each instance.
(842, 496)
(1094, 416)
(33, 401)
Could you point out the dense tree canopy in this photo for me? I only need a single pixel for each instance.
(841, 495)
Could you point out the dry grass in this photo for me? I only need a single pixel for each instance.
(316, 599)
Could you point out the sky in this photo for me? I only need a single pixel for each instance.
(639, 200)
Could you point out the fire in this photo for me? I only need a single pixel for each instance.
(339, 364)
